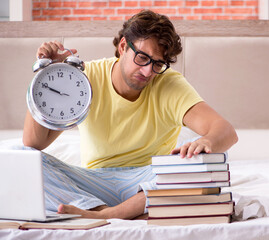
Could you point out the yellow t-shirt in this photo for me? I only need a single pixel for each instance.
(121, 133)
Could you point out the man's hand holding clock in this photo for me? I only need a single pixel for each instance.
(51, 50)
(59, 95)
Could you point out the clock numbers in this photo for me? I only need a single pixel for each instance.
(44, 85)
(61, 94)
(51, 78)
(60, 74)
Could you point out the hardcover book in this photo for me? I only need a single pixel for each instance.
(196, 159)
(182, 191)
(194, 177)
(183, 221)
(187, 210)
(190, 168)
(78, 223)
(194, 185)
(190, 199)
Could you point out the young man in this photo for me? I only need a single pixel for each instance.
(138, 108)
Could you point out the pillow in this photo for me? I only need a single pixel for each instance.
(13, 143)
(66, 147)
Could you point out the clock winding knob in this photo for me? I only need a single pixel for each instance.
(41, 63)
(74, 61)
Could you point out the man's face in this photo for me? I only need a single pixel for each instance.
(137, 77)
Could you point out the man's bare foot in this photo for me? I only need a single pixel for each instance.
(69, 209)
(128, 209)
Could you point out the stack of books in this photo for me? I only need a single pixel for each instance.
(189, 190)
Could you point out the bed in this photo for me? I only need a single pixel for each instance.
(229, 56)
(249, 179)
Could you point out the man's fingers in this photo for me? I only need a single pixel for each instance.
(45, 50)
(59, 45)
(208, 150)
(68, 53)
(176, 151)
(193, 148)
(54, 47)
(42, 52)
(199, 149)
(184, 149)
(50, 50)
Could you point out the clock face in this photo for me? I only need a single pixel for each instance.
(59, 96)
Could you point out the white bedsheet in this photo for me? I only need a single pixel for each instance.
(250, 188)
(256, 229)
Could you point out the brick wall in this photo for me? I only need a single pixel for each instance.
(123, 9)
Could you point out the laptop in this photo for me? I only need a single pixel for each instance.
(22, 187)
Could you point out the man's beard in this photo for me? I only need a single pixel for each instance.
(132, 84)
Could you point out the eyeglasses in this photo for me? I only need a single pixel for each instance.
(143, 59)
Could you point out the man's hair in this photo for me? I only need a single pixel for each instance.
(147, 24)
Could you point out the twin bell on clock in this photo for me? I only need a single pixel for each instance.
(60, 94)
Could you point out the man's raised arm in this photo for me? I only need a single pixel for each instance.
(35, 135)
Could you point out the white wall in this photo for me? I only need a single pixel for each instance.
(263, 9)
(20, 10)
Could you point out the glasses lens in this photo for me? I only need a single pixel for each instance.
(142, 59)
(159, 67)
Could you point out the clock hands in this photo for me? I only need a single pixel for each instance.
(54, 90)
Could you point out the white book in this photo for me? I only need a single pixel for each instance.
(77, 223)
(190, 168)
(193, 177)
(200, 158)
(190, 199)
(186, 210)
(193, 185)
(184, 221)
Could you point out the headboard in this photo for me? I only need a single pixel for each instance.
(226, 61)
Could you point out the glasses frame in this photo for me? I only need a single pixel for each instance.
(167, 65)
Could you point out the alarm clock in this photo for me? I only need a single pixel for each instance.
(60, 94)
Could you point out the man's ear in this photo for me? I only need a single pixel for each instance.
(122, 46)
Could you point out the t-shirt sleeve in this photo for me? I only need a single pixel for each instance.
(177, 96)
